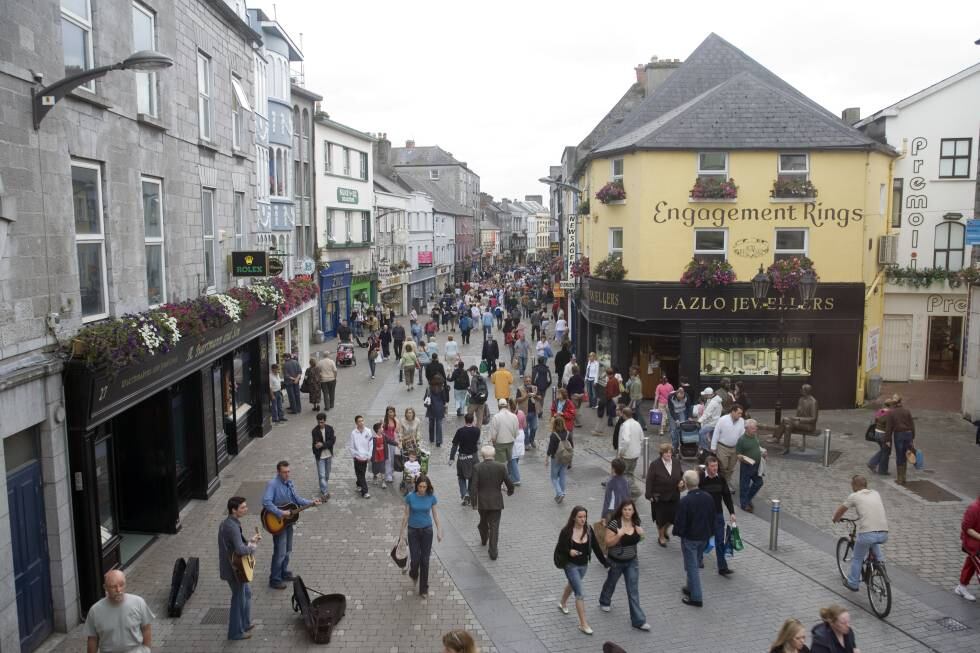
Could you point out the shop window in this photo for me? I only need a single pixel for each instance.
(898, 192)
(793, 167)
(617, 170)
(244, 390)
(76, 38)
(954, 157)
(711, 244)
(616, 242)
(156, 292)
(603, 345)
(713, 165)
(103, 490)
(86, 182)
(791, 243)
(744, 355)
(948, 246)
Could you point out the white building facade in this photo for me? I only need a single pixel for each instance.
(934, 187)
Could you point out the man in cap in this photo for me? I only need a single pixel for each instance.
(709, 417)
(503, 432)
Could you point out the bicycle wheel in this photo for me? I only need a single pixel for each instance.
(879, 590)
(844, 552)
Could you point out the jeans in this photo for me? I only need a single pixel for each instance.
(466, 336)
(693, 551)
(435, 430)
(575, 574)
(610, 410)
(532, 428)
(420, 548)
(459, 397)
(282, 546)
(880, 460)
(240, 614)
(486, 331)
(590, 390)
(558, 472)
(323, 466)
(398, 348)
(523, 363)
(464, 486)
(292, 392)
(360, 468)
(675, 434)
(862, 543)
(749, 483)
(704, 436)
(371, 364)
(631, 569)
(277, 415)
(390, 461)
(514, 469)
(903, 442)
(719, 542)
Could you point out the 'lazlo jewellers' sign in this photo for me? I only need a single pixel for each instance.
(814, 214)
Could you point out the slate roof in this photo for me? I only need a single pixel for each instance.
(720, 98)
(427, 155)
(395, 186)
(441, 200)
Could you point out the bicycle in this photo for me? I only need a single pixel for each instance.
(873, 572)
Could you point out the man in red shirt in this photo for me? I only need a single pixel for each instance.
(970, 539)
(612, 394)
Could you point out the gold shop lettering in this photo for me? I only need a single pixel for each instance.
(814, 214)
(604, 297)
(736, 304)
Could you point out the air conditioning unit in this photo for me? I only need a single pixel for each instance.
(888, 249)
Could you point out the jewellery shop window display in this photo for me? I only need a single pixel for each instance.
(747, 355)
(603, 345)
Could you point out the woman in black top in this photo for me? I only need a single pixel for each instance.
(576, 542)
(623, 533)
(466, 441)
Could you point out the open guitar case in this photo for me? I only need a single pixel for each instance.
(320, 615)
(183, 582)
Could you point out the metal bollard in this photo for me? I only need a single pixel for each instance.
(646, 455)
(826, 447)
(774, 526)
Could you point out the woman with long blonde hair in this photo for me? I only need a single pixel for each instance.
(791, 638)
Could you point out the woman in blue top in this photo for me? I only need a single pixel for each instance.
(420, 513)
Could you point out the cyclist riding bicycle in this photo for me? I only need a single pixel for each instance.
(872, 527)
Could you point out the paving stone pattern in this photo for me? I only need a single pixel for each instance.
(510, 604)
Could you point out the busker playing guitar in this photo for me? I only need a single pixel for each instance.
(234, 554)
(280, 492)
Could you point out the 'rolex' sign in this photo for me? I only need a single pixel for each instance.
(248, 264)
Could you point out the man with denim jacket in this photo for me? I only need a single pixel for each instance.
(280, 491)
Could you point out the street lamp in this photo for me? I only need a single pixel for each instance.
(44, 100)
(807, 286)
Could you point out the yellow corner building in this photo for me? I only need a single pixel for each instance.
(725, 162)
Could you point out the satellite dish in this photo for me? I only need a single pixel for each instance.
(401, 237)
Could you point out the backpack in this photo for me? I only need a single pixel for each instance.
(564, 452)
(481, 391)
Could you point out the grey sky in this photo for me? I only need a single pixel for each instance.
(504, 85)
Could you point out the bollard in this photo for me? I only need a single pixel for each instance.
(646, 455)
(774, 526)
(826, 447)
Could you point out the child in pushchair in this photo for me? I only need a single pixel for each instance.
(416, 464)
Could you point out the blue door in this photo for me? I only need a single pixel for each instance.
(32, 579)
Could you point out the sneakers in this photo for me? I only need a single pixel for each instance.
(366, 495)
(605, 608)
(384, 485)
(964, 592)
(644, 627)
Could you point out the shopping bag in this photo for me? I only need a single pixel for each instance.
(600, 534)
(729, 544)
(737, 539)
(399, 553)
(483, 367)
(656, 417)
(920, 460)
(710, 546)
(910, 456)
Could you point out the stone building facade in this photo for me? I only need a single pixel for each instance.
(123, 198)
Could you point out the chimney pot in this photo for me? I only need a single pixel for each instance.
(851, 115)
(409, 143)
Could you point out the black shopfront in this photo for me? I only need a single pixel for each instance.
(706, 334)
(146, 440)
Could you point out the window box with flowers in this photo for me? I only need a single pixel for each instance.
(786, 273)
(792, 190)
(714, 189)
(708, 273)
(610, 268)
(926, 277)
(612, 193)
(580, 267)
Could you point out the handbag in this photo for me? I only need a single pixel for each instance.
(399, 553)
(305, 386)
(427, 401)
(762, 464)
(518, 449)
(871, 435)
(600, 534)
(398, 463)
(910, 456)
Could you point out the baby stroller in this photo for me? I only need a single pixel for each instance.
(408, 483)
(345, 355)
(690, 436)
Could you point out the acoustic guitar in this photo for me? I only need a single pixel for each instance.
(275, 524)
(244, 565)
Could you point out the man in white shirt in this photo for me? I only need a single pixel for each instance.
(567, 372)
(120, 621)
(630, 446)
(503, 432)
(275, 395)
(361, 446)
(591, 376)
(709, 416)
(727, 431)
(872, 527)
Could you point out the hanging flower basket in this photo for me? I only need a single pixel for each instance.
(793, 188)
(786, 273)
(583, 208)
(610, 268)
(611, 192)
(580, 268)
(708, 273)
(714, 189)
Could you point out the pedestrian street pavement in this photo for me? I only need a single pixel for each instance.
(510, 604)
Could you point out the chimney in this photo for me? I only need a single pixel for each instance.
(381, 151)
(534, 198)
(409, 143)
(851, 115)
(657, 71)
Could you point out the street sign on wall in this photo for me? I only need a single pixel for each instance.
(973, 232)
(425, 259)
(347, 196)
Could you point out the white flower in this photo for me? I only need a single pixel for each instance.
(232, 308)
(267, 295)
(149, 334)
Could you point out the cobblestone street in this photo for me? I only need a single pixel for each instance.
(510, 603)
